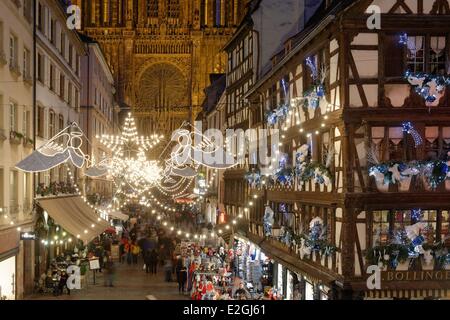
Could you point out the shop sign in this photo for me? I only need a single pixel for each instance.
(441, 275)
(27, 236)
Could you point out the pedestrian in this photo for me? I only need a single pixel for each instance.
(135, 250)
(63, 283)
(168, 270)
(182, 278)
(121, 250)
(128, 252)
(178, 266)
(109, 271)
(153, 260)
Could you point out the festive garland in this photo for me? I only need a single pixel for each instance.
(389, 254)
(314, 241)
(393, 172)
(426, 85)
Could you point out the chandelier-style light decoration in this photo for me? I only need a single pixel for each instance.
(128, 166)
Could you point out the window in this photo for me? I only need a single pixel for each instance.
(422, 53)
(152, 8)
(53, 31)
(394, 57)
(52, 123)
(173, 9)
(41, 17)
(62, 84)
(27, 9)
(380, 227)
(69, 94)
(77, 98)
(14, 191)
(13, 116)
(437, 54)
(415, 54)
(26, 62)
(13, 51)
(40, 121)
(77, 64)
(61, 122)
(52, 78)
(70, 56)
(218, 12)
(63, 44)
(390, 223)
(25, 121)
(41, 68)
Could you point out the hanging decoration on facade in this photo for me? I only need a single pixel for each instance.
(306, 169)
(317, 91)
(63, 147)
(268, 221)
(311, 98)
(429, 87)
(253, 178)
(395, 172)
(408, 244)
(409, 129)
(314, 241)
(403, 39)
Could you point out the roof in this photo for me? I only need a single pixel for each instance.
(214, 91)
(252, 6)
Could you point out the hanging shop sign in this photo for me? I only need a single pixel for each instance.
(28, 236)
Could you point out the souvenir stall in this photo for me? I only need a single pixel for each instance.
(209, 276)
(253, 266)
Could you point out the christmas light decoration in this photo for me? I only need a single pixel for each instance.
(409, 129)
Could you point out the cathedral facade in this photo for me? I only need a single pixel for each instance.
(162, 52)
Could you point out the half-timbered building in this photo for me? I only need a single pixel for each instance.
(359, 188)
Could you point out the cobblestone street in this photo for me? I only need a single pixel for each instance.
(131, 283)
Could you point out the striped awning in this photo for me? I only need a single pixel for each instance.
(407, 294)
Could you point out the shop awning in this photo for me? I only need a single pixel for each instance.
(119, 215)
(75, 216)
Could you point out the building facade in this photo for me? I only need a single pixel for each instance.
(360, 179)
(16, 142)
(248, 52)
(161, 53)
(99, 113)
(58, 90)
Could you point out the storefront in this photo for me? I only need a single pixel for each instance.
(8, 278)
(291, 285)
(253, 266)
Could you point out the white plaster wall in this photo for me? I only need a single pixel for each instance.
(275, 26)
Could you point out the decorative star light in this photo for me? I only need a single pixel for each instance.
(403, 39)
(409, 129)
(129, 141)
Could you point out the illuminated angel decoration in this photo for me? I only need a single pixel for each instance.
(194, 149)
(63, 147)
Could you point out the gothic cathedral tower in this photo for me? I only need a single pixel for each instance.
(161, 52)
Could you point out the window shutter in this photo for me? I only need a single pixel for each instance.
(394, 63)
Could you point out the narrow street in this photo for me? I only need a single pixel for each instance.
(131, 283)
